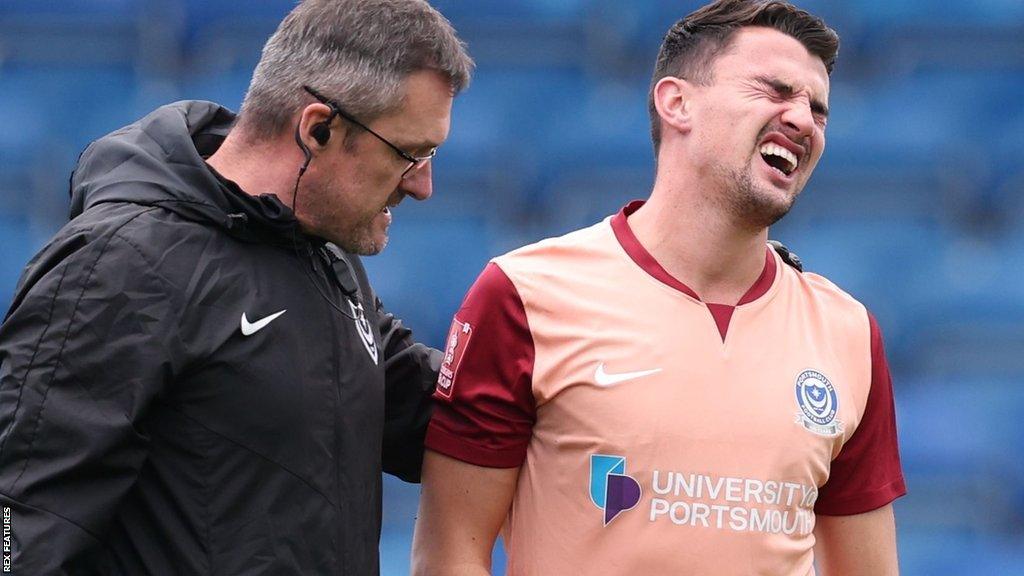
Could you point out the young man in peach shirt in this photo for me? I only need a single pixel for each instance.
(659, 393)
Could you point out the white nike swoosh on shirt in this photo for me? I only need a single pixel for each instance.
(250, 328)
(605, 379)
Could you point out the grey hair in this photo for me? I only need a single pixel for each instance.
(356, 52)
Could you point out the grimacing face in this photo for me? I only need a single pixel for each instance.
(760, 124)
(351, 191)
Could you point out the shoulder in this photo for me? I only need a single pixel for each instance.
(562, 257)
(96, 271)
(151, 228)
(535, 280)
(820, 292)
(156, 230)
(835, 314)
(127, 244)
(98, 238)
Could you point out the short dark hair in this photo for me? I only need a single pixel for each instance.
(692, 44)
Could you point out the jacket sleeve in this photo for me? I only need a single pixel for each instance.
(84, 351)
(410, 372)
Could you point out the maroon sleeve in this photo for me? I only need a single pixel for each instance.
(484, 407)
(866, 474)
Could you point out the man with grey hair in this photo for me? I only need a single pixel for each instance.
(195, 374)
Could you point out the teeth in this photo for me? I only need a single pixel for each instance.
(770, 149)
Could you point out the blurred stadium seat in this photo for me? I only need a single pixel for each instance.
(435, 255)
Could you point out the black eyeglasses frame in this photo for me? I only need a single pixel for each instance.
(415, 162)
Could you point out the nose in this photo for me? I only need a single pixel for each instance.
(798, 120)
(419, 183)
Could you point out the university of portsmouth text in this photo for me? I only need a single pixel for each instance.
(750, 505)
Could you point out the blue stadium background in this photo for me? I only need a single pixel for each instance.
(915, 208)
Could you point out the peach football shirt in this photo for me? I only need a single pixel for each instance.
(656, 433)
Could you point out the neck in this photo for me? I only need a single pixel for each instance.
(257, 168)
(697, 242)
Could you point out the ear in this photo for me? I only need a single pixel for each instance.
(310, 117)
(672, 99)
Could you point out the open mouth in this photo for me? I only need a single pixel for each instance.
(779, 158)
(391, 204)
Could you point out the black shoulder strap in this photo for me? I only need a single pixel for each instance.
(787, 256)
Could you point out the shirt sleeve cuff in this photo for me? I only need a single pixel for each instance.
(444, 442)
(864, 502)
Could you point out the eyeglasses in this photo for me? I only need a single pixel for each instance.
(415, 162)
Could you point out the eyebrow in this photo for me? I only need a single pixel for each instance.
(786, 90)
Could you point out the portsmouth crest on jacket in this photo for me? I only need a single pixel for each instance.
(364, 329)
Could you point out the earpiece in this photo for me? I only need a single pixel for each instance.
(321, 133)
(305, 152)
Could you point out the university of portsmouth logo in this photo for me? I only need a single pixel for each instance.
(611, 489)
(454, 348)
(819, 404)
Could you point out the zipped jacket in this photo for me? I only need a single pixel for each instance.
(190, 385)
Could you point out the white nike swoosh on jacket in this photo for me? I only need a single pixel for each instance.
(250, 328)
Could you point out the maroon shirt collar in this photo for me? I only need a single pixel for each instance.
(643, 259)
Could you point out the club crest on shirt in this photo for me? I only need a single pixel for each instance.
(454, 348)
(819, 404)
(364, 330)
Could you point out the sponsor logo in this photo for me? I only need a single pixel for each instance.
(454, 349)
(705, 501)
(696, 500)
(603, 378)
(819, 404)
(364, 329)
(250, 328)
(611, 489)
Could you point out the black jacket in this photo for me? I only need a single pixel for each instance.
(142, 431)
